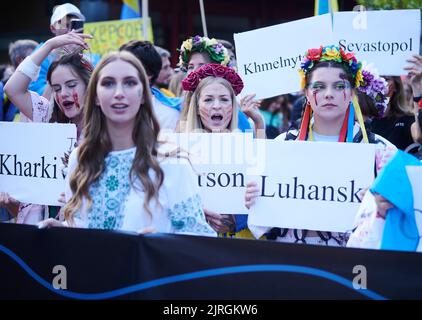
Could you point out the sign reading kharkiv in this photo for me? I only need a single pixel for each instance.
(110, 35)
(33, 160)
(312, 185)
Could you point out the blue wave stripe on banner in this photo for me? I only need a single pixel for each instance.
(191, 276)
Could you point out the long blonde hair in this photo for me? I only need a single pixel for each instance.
(193, 121)
(96, 144)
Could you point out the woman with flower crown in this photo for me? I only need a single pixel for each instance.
(329, 77)
(212, 91)
(196, 52)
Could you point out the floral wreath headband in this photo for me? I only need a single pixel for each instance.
(218, 53)
(376, 88)
(330, 53)
(190, 83)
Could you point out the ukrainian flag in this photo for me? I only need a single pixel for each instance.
(131, 9)
(325, 6)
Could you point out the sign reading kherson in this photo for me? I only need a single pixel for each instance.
(268, 59)
(385, 38)
(110, 35)
(312, 185)
(33, 161)
(221, 161)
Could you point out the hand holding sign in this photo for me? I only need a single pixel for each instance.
(10, 203)
(252, 192)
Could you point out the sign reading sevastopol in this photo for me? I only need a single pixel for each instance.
(33, 160)
(385, 38)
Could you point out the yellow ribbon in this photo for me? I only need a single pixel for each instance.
(358, 113)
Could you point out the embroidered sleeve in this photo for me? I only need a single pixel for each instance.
(370, 227)
(188, 217)
(384, 151)
(184, 208)
(40, 108)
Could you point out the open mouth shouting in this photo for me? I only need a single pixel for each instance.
(217, 118)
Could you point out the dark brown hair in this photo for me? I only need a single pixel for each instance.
(78, 65)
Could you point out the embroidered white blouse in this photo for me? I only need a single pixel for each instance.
(117, 205)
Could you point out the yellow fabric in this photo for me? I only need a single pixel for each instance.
(134, 4)
(167, 93)
(360, 119)
(242, 234)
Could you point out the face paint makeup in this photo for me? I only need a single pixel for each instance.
(344, 90)
(75, 99)
(315, 98)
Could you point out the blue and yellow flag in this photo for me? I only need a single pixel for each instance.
(325, 6)
(131, 9)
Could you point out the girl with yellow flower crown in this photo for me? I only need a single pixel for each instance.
(329, 78)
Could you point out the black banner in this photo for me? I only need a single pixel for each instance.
(95, 264)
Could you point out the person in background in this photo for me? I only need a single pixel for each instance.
(271, 111)
(231, 51)
(18, 51)
(167, 110)
(166, 72)
(399, 118)
(175, 85)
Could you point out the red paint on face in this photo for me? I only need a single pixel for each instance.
(315, 97)
(75, 99)
(344, 90)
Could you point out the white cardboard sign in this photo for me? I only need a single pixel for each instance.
(33, 160)
(268, 59)
(312, 185)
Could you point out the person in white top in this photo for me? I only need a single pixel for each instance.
(329, 77)
(117, 178)
(68, 77)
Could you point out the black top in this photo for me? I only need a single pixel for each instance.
(394, 129)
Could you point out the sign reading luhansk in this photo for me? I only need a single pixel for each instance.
(312, 185)
(268, 59)
(33, 160)
(110, 35)
(384, 38)
(222, 162)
